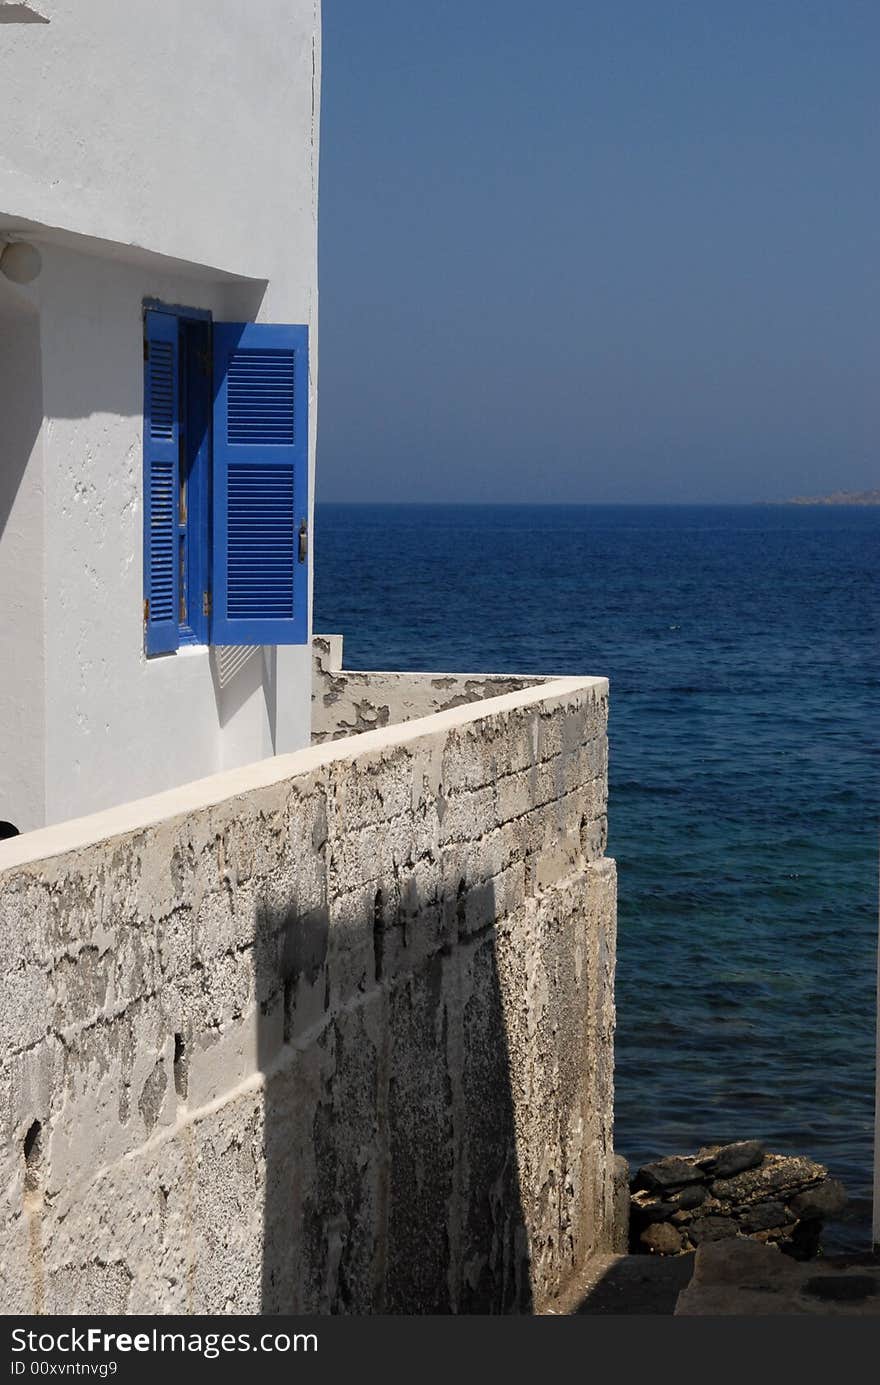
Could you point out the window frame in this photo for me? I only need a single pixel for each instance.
(194, 409)
(196, 413)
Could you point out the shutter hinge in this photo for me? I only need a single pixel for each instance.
(146, 349)
(146, 609)
(206, 603)
(303, 542)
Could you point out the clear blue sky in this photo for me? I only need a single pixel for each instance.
(599, 250)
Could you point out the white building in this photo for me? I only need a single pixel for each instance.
(156, 456)
(270, 1041)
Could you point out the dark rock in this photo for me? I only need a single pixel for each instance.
(845, 1288)
(689, 1197)
(779, 1173)
(661, 1238)
(733, 1159)
(652, 1207)
(712, 1208)
(801, 1241)
(653, 1211)
(673, 1172)
(711, 1229)
(768, 1197)
(825, 1200)
(764, 1216)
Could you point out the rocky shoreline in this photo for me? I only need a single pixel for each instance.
(838, 498)
(734, 1190)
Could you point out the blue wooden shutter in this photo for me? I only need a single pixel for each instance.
(261, 449)
(161, 486)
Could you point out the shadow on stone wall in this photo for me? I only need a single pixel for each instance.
(392, 1182)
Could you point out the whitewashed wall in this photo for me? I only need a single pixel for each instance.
(188, 129)
(163, 151)
(22, 607)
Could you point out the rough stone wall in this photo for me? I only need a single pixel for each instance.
(332, 1033)
(346, 702)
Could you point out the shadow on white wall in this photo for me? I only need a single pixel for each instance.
(21, 14)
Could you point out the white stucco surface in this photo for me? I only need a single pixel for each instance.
(190, 130)
(166, 152)
(22, 647)
(119, 725)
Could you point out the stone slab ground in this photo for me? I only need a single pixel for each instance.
(743, 1278)
(725, 1279)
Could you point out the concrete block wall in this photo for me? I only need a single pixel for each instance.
(330, 1033)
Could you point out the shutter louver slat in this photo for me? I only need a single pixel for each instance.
(260, 567)
(261, 396)
(162, 526)
(162, 371)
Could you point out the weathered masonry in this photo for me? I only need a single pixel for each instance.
(331, 1032)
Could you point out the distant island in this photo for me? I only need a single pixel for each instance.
(838, 498)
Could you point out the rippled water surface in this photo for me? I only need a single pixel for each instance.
(742, 648)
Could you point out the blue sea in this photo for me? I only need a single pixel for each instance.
(742, 648)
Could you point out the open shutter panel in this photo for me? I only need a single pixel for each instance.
(261, 448)
(161, 487)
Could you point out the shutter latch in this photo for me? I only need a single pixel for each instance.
(303, 541)
(206, 603)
